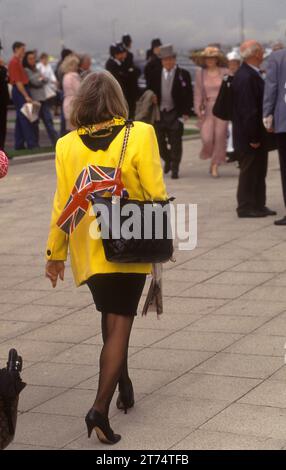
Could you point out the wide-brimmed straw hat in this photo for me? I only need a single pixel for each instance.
(210, 52)
(199, 57)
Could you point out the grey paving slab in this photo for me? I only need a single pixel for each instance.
(145, 381)
(58, 375)
(12, 329)
(198, 341)
(34, 313)
(239, 278)
(269, 393)
(209, 264)
(278, 280)
(276, 327)
(240, 365)
(15, 446)
(4, 308)
(253, 308)
(9, 282)
(143, 437)
(275, 253)
(74, 402)
(66, 299)
(13, 296)
(211, 387)
(172, 360)
(86, 317)
(259, 345)
(38, 429)
(33, 350)
(260, 266)
(169, 410)
(192, 277)
(33, 396)
(180, 305)
(215, 291)
(228, 324)
(42, 284)
(280, 375)
(67, 334)
(255, 242)
(85, 354)
(166, 321)
(232, 254)
(206, 440)
(267, 293)
(253, 420)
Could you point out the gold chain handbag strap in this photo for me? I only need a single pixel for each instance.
(129, 124)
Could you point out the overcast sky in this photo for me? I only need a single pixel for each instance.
(91, 25)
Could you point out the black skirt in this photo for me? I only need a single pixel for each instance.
(117, 293)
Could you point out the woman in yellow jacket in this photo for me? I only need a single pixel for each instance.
(99, 117)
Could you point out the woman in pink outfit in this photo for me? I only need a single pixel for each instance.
(71, 83)
(213, 130)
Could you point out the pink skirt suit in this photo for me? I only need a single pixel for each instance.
(213, 130)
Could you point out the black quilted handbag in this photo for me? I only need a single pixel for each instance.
(152, 243)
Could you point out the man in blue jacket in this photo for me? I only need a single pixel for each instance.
(274, 110)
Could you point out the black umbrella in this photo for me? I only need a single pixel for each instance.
(11, 386)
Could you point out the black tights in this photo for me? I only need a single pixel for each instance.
(116, 331)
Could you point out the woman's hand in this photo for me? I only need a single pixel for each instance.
(55, 269)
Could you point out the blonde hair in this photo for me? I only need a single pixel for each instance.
(70, 64)
(98, 99)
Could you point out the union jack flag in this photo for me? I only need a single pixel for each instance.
(91, 181)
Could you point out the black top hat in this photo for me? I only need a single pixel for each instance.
(116, 48)
(156, 43)
(126, 39)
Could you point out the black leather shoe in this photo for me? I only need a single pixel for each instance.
(251, 214)
(167, 167)
(175, 175)
(268, 211)
(125, 398)
(280, 222)
(96, 421)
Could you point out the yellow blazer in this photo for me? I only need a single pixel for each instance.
(142, 176)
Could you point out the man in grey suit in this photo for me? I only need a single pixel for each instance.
(274, 110)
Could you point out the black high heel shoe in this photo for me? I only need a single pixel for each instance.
(95, 420)
(125, 398)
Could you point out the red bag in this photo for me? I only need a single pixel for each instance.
(3, 164)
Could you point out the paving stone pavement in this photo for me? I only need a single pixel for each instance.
(209, 374)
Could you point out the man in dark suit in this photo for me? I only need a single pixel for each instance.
(153, 60)
(173, 89)
(132, 75)
(249, 134)
(114, 65)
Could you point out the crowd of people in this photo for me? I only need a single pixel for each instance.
(169, 99)
(34, 81)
